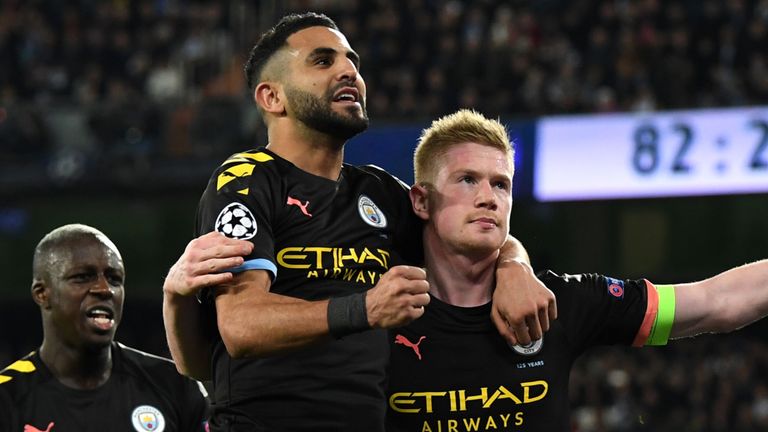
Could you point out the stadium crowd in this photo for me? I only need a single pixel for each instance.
(147, 78)
(90, 88)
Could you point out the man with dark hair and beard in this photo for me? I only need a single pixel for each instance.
(305, 348)
(80, 379)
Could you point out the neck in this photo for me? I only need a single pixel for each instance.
(455, 278)
(308, 149)
(77, 367)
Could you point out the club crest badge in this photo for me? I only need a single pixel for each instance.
(530, 349)
(371, 213)
(236, 221)
(147, 418)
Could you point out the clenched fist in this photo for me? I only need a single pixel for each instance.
(398, 298)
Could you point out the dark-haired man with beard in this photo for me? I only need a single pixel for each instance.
(80, 379)
(297, 336)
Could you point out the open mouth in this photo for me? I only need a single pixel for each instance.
(347, 94)
(101, 317)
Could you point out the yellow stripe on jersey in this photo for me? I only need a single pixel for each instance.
(249, 157)
(231, 173)
(665, 317)
(23, 366)
(244, 168)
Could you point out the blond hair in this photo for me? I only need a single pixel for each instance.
(463, 126)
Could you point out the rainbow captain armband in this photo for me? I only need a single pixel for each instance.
(665, 316)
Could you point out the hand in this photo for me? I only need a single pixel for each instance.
(202, 263)
(398, 298)
(522, 305)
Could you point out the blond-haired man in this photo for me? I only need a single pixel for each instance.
(451, 371)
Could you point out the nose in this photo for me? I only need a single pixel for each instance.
(486, 198)
(348, 71)
(102, 288)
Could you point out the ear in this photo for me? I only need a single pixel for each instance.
(420, 201)
(41, 293)
(268, 96)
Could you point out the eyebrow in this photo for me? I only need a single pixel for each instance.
(476, 173)
(325, 51)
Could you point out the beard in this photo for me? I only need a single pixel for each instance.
(316, 113)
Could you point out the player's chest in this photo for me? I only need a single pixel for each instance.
(454, 372)
(330, 233)
(126, 409)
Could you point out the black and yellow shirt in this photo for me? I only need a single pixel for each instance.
(318, 238)
(143, 393)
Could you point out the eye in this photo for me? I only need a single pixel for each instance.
(81, 277)
(467, 179)
(501, 185)
(115, 279)
(323, 61)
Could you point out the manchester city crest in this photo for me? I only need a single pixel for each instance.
(530, 349)
(147, 418)
(370, 212)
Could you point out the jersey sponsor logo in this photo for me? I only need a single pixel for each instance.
(236, 221)
(147, 418)
(320, 258)
(402, 340)
(347, 264)
(615, 287)
(30, 428)
(370, 212)
(297, 203)
(473, 424)
(459, 401)
(530, 349)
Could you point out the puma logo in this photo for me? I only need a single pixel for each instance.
(402, 340)
(29, 428)
(297, 203)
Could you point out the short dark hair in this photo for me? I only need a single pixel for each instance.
(274, 39)
(53, 242)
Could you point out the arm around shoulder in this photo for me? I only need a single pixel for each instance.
(254, 321)
(522, 305)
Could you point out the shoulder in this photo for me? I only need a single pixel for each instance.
(379, 173)
(568, 282)
(20, 376)
(157, 367)
(140, 363)
(238, 170)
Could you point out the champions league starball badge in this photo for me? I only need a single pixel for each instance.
(236, 221)
(147, 418)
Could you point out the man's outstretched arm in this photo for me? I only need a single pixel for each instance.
(722, 303)
(522, 305)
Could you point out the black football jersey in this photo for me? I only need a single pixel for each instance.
(143, 393)
(318, 238)
(450, 370)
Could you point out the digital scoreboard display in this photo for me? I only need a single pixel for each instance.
(658, 154)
